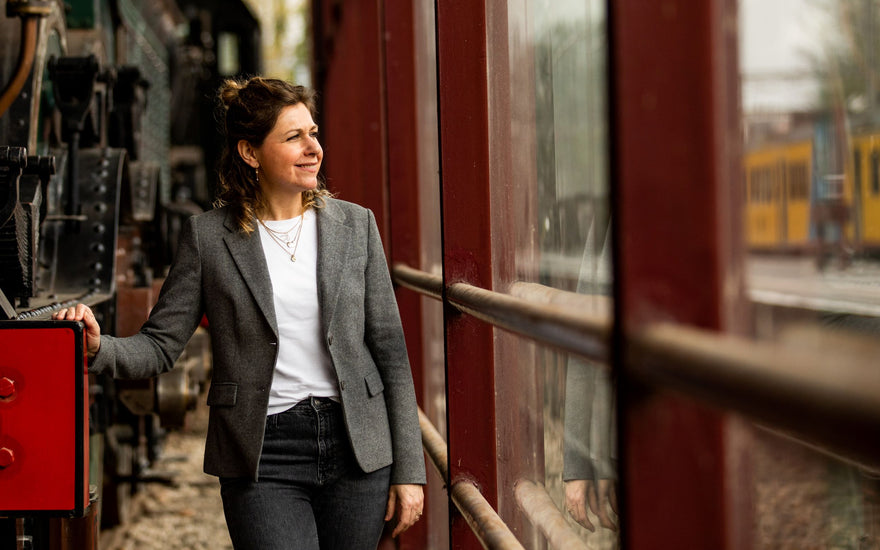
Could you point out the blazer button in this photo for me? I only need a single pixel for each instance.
(330, 340)
(342, 385)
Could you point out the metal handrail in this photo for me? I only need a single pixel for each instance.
(827, 393)
(557, 318)
(488, 527)
(420, 281)
(813, 393)
(542, 512)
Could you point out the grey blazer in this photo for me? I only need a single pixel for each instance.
(221, 272)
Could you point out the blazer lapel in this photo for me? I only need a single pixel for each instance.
(247, 252)
(334, 240)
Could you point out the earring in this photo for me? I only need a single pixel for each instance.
(257, 174)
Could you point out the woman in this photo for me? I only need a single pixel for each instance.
(313, 426)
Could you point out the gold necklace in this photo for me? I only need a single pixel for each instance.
(285, 245)
(283, 235)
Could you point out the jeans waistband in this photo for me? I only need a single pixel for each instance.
(321, 403)
(315, 403)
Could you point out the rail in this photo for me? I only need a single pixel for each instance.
(827, 382)
(420, 281)
(489, 528)
(531, 310)
(810, 392)
(542, 512)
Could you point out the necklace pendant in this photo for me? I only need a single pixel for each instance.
(292, 258)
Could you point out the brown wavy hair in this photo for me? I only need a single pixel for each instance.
(248, 110)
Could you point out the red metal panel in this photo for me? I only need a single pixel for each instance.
(403, 174)
(465, 163)
(351, 87)
(404, 237)
(43, 419)
(670, 121)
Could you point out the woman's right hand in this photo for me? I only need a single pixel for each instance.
(82, 312)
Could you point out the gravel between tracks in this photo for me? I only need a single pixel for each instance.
(188, 513)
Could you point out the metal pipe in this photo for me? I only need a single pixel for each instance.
(25, 63)
(489, 528)
(420, 281)
(826, 394)
(435, 446)
(574, 322)
(823, 389)
(564, 327)
(542, 512)
(486, 524)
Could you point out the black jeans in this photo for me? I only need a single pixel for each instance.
(311, 493)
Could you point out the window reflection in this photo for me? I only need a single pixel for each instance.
(812, 227)
(574, 240)
(571, 136)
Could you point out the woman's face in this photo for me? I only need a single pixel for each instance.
(290, 157)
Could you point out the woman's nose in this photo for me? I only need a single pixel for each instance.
(312, 145)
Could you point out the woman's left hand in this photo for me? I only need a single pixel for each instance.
(406, 502)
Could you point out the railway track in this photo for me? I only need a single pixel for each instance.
(181, 507)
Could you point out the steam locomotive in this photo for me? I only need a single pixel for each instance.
(106, 145)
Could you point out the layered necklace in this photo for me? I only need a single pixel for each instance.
(282, 238)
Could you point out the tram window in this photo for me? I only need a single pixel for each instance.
(875, 172)
(765, 185)
(757, 185)
(797, 182)
(747, 185)
(857, 168)
(762, 185)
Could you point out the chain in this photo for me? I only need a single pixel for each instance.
(285, 245)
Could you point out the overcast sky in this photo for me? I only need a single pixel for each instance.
(775, 35)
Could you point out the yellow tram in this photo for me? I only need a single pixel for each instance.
(793, 206)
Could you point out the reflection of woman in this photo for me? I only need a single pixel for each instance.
(590, 471)
(313, 426)
(589, 466)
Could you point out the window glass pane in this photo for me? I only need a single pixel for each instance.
(571, 144)
(563, 129)
(810, 103)
(433, 350)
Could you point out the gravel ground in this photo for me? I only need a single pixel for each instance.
(806, 501)
(187, 514)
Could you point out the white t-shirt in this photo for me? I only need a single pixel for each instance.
(303, 367)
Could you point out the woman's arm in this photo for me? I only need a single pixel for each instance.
(172, 321)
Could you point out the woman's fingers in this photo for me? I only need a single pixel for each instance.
(407, 501)
(576, 496)
(82, 312)
(392, 505)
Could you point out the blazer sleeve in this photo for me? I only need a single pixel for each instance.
(384, 338)
(173, 320)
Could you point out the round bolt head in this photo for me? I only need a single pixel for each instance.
(7, 388)
(7, 457)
